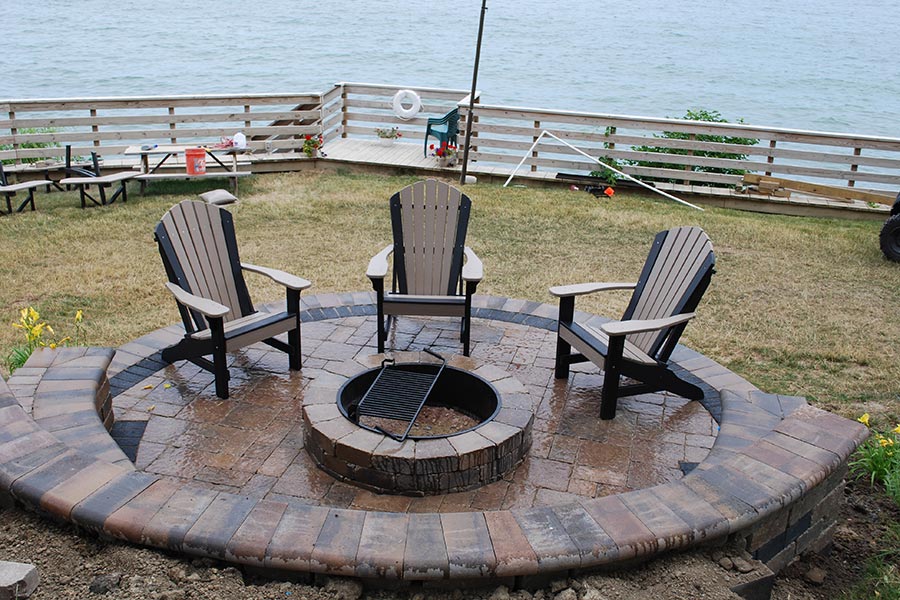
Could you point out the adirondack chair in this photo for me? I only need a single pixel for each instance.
(445, 128)
(9, 190)
(84, 178)
(199, 250)
(674, 278)
(429, 220)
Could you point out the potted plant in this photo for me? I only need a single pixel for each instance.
(312, 145)
(387, 135)
(445, 153)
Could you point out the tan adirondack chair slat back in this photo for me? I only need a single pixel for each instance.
(683, 254)
(196, 233)
(430, 216)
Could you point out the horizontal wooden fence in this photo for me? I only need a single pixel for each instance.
(671, 152)
(369, 106)
(502, 135)
(40, 129)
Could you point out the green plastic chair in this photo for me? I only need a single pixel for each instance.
(444, 129)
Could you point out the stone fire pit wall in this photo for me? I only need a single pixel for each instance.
(419, 466)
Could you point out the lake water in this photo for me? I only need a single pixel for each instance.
(826, 65)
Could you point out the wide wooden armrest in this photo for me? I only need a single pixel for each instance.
(286, 279)
(378, 265)
(578, 289)
(616, 328)
(472, 270)
(205, 306)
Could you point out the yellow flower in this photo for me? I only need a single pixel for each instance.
(886, 441)
(864, 419)
(52, 346)
(33, 314)
(79, 316)
(896, 429)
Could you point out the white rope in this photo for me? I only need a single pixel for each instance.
(599, 162)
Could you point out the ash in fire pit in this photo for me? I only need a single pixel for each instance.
(433, 421)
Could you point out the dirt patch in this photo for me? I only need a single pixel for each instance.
(70, 562)
(862, 525)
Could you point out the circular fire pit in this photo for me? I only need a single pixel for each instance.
(479, 441)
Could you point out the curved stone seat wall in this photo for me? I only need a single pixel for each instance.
(772, 479)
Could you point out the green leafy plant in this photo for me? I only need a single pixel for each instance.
(388, 133)
(312, 144)
(22, 145)
(711, 116)
(608, 175)
(36, 336)
(879, 459)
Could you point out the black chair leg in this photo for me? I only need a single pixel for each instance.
(563, 350)
(611, 371)
(220, 358)
(380, 327)
(293, 306)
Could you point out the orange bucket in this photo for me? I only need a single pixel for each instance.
(196, 161)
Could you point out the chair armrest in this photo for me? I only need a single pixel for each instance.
(378, 265)
(616, 328)
(577, 289)
(205, 306)
(472, 270)
(286, 279)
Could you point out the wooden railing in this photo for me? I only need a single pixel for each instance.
(505, 135)
(502, 135)
(109, 125)
(367, 106)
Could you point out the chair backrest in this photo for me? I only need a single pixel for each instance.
(674, 278)
(452, 122)
(199, 250)
(429, 219)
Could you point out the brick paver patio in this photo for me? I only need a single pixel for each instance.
(252, 444)
(231, 479)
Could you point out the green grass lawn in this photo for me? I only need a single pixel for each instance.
(798, 305)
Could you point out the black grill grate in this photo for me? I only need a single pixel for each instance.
(399, 394)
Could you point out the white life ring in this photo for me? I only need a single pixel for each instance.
(407, 97)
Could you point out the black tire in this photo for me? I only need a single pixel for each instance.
(890, 238)
(895, 209)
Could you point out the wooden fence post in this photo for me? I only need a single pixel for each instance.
(173, 139)
(770, 159)
(854, 168)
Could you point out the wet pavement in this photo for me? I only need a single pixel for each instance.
(252, 444)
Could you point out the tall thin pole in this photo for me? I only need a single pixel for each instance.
(470, 117)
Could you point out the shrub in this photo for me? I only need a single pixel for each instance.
(696, 115)
(608, 175)
(9, 161)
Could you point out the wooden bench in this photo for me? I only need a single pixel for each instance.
(8, 190)
(233, 175)
(90, 177)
